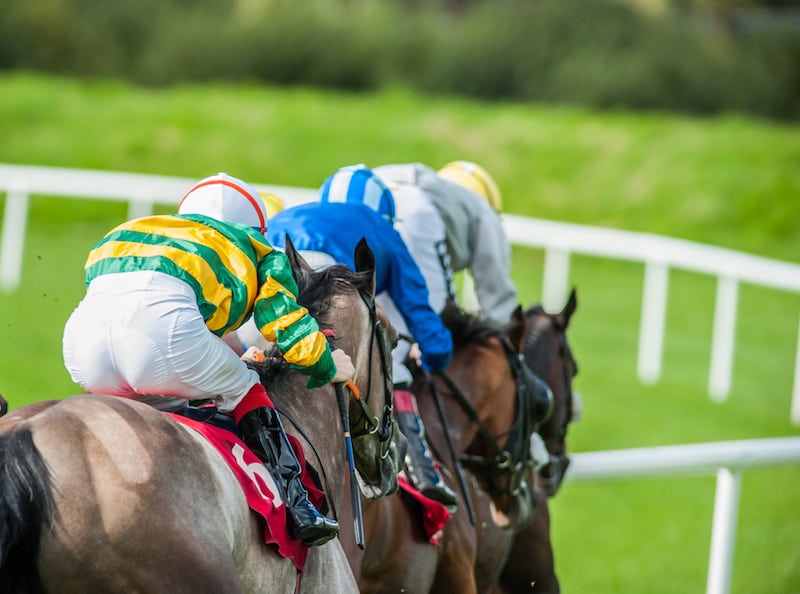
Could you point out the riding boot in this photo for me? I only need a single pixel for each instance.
(264, 434)
(420, 467)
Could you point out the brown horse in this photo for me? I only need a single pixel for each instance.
(530, 565)
(103, 494)
(484, 373)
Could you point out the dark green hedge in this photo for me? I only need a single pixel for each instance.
(585, 52)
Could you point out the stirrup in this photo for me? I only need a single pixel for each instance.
(314, 535)
(439, 492)
(430, 483)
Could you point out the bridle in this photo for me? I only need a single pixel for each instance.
(552, 474)
(368, 423)
(513, 459)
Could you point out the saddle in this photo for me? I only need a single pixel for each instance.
(258, 485)
(432, 514)
(204, 411)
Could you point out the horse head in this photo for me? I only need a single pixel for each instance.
(491, 409)
(547, 351)
(344, 300)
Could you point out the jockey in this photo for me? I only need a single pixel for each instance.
(163, 290)
(449, 221)
(355, 203)
(248, 335)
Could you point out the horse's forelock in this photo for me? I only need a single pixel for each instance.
(315, 289)
(539, 322)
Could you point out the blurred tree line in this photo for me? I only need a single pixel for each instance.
(700, 56)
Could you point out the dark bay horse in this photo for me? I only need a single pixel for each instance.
(398, 556)
(104, 494)
(530, 560)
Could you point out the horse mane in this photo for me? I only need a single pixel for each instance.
(534, 310)
(315, 292)
(467, 328)
(316, 288)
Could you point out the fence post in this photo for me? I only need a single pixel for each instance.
(556, 275)
(719, 378)
(795, 414)
(651, 328)
(139, 208)
(723, 531)
(15, 220)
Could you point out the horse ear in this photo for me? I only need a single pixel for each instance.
(569, 309)
(516, 329)
(365, 261)
(296, 261)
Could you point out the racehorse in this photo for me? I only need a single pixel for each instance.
(484, 373)
(530, 561)
(105, 494)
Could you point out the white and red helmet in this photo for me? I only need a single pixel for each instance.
(228, 199)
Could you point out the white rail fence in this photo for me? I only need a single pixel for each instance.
(727, 459)
(559, 241)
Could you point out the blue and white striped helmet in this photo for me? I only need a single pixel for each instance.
(359, 184)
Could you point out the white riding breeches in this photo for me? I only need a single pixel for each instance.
(400, 373)
(141, 334)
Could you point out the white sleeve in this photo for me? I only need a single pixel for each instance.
(491, 268)
(423, 232)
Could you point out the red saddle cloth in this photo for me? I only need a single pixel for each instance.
(434, 514)
(259, 486)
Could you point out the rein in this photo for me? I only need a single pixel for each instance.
(368, 422)
(516, 455)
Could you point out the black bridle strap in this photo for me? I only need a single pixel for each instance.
(503, 458)
(461, 400)
(326, 490)
(371, 423)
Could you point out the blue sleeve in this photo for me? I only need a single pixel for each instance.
(408, 291)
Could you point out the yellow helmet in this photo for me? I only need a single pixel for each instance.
(475, 178)
(272, 203)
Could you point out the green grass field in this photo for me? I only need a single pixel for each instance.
(727, 181)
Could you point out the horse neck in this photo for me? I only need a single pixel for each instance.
(349, 317)
(483, 376)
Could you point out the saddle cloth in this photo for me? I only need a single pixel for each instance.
(259, 486)
(433, 514)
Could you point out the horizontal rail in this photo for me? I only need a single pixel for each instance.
(700, 458)
(646, 247)
(120, 186)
